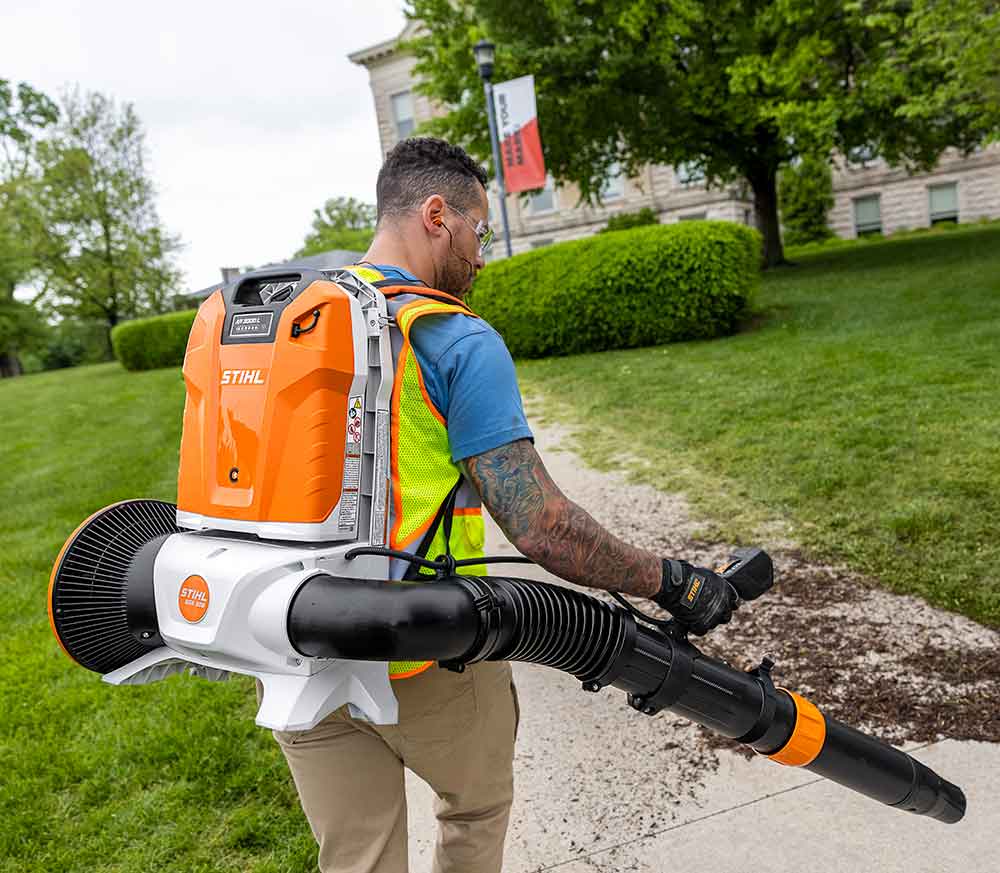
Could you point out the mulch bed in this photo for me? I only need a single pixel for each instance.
(887, 664)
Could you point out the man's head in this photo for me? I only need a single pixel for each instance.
(432, 198)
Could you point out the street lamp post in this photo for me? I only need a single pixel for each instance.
(484, 53)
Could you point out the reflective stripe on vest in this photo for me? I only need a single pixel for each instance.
(422, 472)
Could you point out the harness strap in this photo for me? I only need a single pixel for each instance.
(393, 283)
(443, 516)
(395, 287)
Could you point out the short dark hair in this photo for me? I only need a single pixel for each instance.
(419, 167)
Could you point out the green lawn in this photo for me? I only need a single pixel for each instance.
(172, 776)
(860, 410)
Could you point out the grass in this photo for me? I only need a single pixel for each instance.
(172, 776)
(860, 409)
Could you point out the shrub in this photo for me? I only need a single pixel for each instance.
(73, 342)
(628, 220)
(148, 343)
(641, 287)
(805, 197)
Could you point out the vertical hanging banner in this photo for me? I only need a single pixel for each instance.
(517, 130)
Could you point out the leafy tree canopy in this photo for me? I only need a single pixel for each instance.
(735, 87)
(342, 223)
(806, 194)
(24, 114)
(105, 254)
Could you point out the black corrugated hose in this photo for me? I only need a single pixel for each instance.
(460, 620)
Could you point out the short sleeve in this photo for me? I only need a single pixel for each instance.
(473, 376)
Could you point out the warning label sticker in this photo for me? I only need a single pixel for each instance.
(355, 421)
(348, 510)
(352, 473)
(351, 485)
(380, 489)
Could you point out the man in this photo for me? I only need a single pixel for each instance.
(462, 438)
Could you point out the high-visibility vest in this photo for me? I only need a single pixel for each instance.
(433, 510)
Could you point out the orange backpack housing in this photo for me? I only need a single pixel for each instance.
(274, 431)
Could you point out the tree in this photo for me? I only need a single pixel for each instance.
(104, 253)
(737, 88)
(24, 114)
(342, 223)
(806, 195)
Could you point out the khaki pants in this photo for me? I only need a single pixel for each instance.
(456, 731)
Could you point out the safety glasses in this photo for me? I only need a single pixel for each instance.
(484, 233)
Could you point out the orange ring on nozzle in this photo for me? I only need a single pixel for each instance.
(808, 735)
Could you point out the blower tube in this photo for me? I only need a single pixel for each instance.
(460, 620)
(103, 613)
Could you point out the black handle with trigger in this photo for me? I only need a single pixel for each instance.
(750, 571)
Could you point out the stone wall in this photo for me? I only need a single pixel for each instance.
(392, 74)
(657, 188)
(904, 199)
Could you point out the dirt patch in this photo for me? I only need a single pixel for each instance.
(884, 663)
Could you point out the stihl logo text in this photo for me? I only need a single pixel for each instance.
(694, 589)
(193, 598)
(242, 377)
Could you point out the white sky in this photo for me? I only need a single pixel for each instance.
(253, 114)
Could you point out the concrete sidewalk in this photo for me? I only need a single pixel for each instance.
(600, 787)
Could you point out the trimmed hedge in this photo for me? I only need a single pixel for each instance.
(628, 220)
(641, 287)
(149, 343)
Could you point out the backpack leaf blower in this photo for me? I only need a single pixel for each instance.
(274, 562)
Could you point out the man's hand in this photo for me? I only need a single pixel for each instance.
(699, 599)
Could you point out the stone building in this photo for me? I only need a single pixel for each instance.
(870, 197)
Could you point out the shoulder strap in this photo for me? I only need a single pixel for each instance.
(444, 516)
(395, 287)
(398, 283)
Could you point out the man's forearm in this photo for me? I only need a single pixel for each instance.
(552, 530)
(571, 544)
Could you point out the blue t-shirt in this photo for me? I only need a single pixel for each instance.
(470, 378)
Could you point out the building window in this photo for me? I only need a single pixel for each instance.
(689, 174)
(541, 243)
(545, 200)
(694, 216)
(943, 202)
(402, 113)
(867, 215)
(614, 183)
(748, 217)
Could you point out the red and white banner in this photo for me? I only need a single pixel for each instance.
(517, 130)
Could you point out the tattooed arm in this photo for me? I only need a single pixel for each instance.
(549, 528)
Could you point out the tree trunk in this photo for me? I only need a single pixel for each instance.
(764, 182)
(112, 321)
(10, 365)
